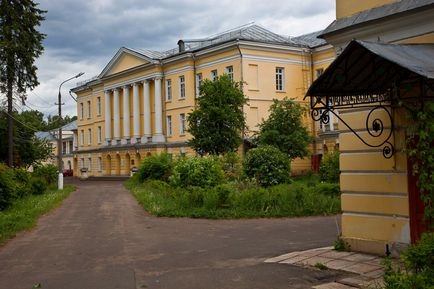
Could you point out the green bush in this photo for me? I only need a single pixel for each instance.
(22, 180)
(329, 167)
(268, 165)
(328, 189)
(232, 166)
(418, 272)
(38, 185)
(7, 186)
(196, 171)
(156, 167)
(48, 172)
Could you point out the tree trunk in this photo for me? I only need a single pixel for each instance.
(10, 125)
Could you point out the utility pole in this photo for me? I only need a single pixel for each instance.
(59, 137)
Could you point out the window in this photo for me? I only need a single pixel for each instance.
(213, 74)
(279, 78)
(81, 163)
(182, 87)
(89, 164)
(98, 105)
(81, 110)
(169, 125)
(168, 90)
(99, 163)
(89, 109)
(89, 136)
(319, 72)
(182, 123)
(82, 137)
(64, 147)
(198, 83)
(99, 134)
(230, 72)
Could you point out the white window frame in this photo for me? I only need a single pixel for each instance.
(199, 79)
(182, 87)
(99, 134)
(98, 105)
(280, 79)
(182, 123)
(168, 90)
(99, 163)
(89, 136)
(89, 109)
(229, 70)
(214, 74)
(89, 164)
(81, 110)
(169, 130)
(82, 137)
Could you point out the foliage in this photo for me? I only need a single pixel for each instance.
(422, 151)
(23, 213)
(7, 186)
(216, 125)
(329, 167)
(341, 245)
(234, 200)
(284, 129)
(418, 272)
(199, 172)
(22, 180)
(232, 165)
(47, 172)
(38, 185)
(329, 189)
(267, 165)
(156, 167)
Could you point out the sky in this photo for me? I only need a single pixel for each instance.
(83, 35)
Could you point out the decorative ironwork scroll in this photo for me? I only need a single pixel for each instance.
(321, 106)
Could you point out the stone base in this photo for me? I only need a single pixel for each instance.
(125, 141)
(375, 246)
(158, 138)
(145, 139)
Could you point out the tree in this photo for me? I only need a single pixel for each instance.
(284, 129)
(218, 121)
(20, 45)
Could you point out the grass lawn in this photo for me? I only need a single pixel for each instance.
(303, 197)
(24, 213)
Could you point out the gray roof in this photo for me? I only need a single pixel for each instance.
(44, 135)
(149, 53)
(392, 61)
(70, 126)
(311, 39)
(376, 13)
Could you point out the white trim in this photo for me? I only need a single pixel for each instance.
(374, 215)
(178, 70)
(271, 59)
(219, 61)
(133, 80)
(325, 60)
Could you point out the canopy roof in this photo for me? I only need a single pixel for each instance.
(368, 68)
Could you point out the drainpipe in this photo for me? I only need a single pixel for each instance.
(243, 133)
(194, 79)
(313, 122)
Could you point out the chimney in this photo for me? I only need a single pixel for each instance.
(181, 45)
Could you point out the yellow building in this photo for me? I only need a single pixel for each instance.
(139, 103)
(370, 82)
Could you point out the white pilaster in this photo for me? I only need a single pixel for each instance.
(136, 112)
(108, 118)
(331, 122)
(116, 115)
(146, 111)
(126, 104)
(158, 107)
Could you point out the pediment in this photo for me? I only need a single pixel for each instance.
(123, 60)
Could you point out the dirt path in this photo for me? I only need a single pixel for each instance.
(100, 238)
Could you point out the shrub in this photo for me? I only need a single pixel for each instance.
(418, 270)
(7, 186)
(231, 164)
(22, 180)
(156, 167)
(268, 165)
(328, 189)
(48, 172)
(196, 171)
(329, 168)
(38, 185)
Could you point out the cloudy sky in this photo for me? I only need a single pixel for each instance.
(83, 35)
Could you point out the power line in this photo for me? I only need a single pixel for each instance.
(24, 124)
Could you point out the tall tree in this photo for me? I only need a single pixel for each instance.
(284, 129)
(20, 45)
(217, 122)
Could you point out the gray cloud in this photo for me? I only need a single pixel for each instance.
(83, 35)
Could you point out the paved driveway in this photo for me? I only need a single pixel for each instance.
(100, 238)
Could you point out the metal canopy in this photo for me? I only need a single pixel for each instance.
(371, 75)
(367, 68)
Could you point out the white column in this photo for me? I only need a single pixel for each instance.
(108, 118)
(136, 112)
(158, 107)
(126, 102)
(116, 116)
(331, 121)
(146, 112)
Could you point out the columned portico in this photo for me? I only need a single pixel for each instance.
(108, 118)
(158, 106)
(146, 111)
(126, 105)
(116, 116)
(136, 113)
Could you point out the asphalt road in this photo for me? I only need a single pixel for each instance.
(100, 238)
